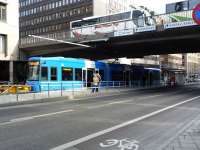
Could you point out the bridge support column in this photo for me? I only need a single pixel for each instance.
(11, 71)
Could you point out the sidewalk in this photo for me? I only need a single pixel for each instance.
(189, 139)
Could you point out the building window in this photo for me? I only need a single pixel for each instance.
(3, 44)
(2, 12)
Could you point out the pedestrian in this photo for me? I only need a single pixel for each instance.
(95, 83)
(99, 80)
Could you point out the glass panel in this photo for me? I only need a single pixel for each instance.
(2, 12)
(67, 74)
(117, 75)
(44, 74)
(101, 72)
(53, 73)
(78, 74)
(33, 73)
(3, 44)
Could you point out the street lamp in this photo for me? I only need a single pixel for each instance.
(61, 41)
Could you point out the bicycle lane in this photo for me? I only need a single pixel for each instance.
(149, 132)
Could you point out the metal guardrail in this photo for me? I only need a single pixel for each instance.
(83, 91)
(76, 90)
(170, 20)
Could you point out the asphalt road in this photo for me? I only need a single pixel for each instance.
(143, 120)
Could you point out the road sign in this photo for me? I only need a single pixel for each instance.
(196, 14)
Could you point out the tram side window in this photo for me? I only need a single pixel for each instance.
(53, 73)
(117, 75)
(44, 73)
(101, 72)
(67, 74)
(78, 74)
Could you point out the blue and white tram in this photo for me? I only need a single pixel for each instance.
(56, 73)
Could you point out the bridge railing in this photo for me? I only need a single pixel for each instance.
(116, 28)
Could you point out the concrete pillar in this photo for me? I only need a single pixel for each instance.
(11, 74)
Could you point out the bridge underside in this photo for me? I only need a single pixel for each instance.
(171, 41)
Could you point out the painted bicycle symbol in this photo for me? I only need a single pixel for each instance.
(123, 144)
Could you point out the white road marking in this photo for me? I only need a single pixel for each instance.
(108, 104)
(34, 117)
(151, 96)
(97, 134)
(122, 144)
(120, 102)
(21, 119)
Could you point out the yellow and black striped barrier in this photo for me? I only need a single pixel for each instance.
(13, 89)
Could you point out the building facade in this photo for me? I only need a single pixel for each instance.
(191, 63)
(9, 29)
(39, 17)
(173, 68)
(9, 37)
(181, 5)
(43, 16)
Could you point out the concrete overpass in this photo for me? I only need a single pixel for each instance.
(165, 38)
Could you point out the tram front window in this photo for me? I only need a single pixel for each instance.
(33, 74)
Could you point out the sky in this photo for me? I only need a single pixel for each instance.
(155, 5)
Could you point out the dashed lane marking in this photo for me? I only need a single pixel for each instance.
(34, 117)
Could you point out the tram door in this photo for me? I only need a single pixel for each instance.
(88, 76)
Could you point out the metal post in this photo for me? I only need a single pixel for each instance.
(72, 89)
(17, 93)
(48, 91)
(61, 86)
(34, 96)
(107, 85)
(11, 64)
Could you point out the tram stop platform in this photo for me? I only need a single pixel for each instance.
(52, 96)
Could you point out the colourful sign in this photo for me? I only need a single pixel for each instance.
(196, 14)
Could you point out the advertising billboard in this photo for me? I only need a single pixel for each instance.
(193, 3)
(176, 7)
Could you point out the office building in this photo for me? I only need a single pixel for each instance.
(191, 63)
(39, 17)
(9, 37)
(9, 32)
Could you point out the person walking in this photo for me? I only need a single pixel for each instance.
(99, 80)
(96, 81)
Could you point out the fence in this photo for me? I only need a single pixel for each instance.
(73, 90)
